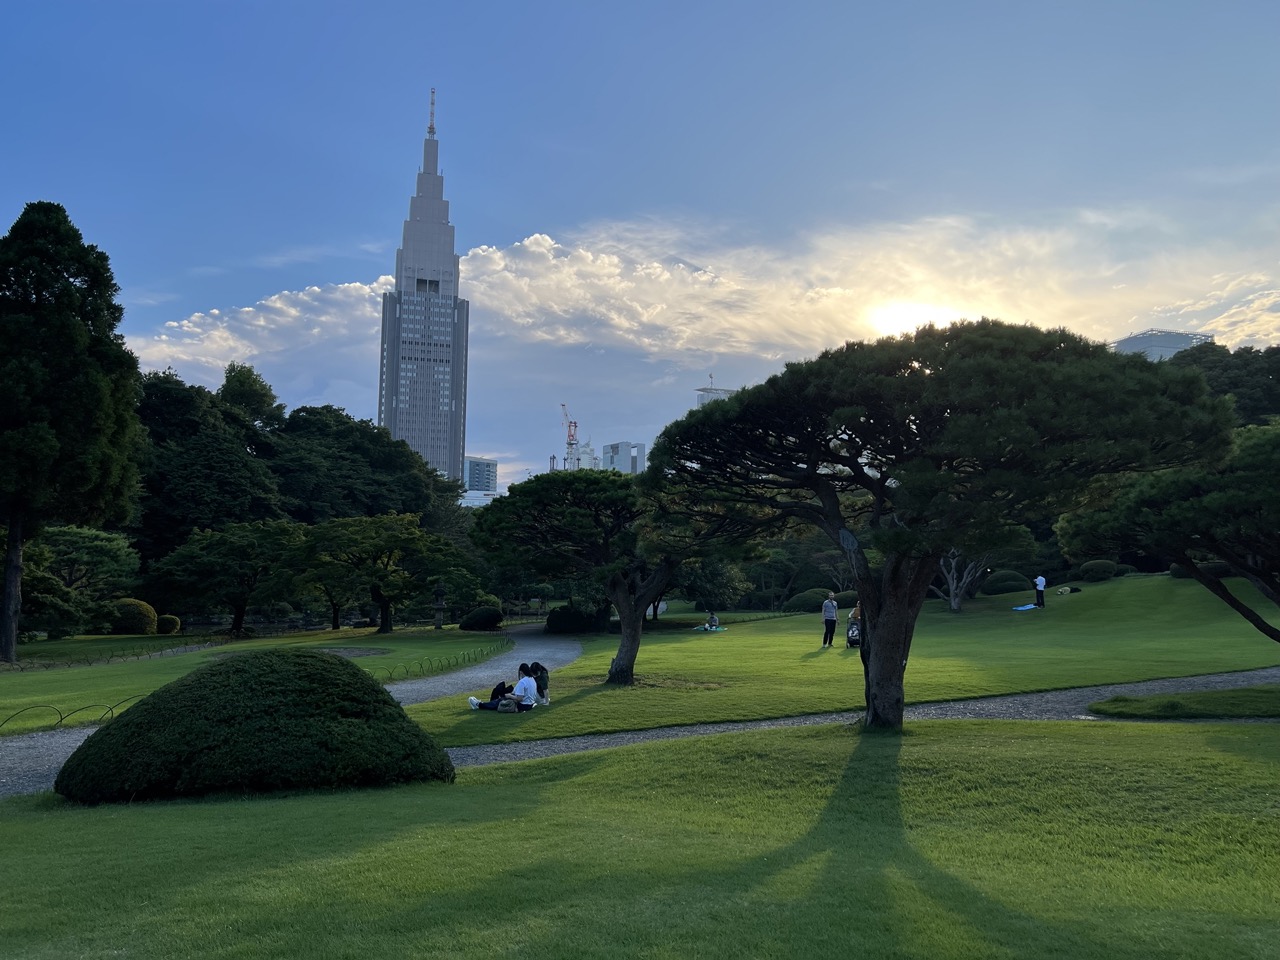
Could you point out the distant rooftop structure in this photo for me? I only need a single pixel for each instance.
(1159, 344)
(712, 392)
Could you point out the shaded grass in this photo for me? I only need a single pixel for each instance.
(959, 840)
(1247, 703)
(1115, 632)
(99, 687)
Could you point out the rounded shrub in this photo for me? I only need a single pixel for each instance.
(1005, 581)
(1095, 571)
(255, 723)
(133, 616)
(167, 624)
(846, 599)
(1124, 569)
(807, 601)
(481, 618)
(569, 619)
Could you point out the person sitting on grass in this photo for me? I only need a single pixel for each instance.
(524, 696)
(541, 680)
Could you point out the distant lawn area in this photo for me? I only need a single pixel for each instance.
(958, 840)
(1139, 628)
(1247, 703)
(104, 685)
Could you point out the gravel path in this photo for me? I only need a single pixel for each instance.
(30, 762)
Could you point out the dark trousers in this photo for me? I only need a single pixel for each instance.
(828, 632)
(493, 705)
(1039, 598)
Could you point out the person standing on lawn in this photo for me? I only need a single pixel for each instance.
(830, 617)
(1040, 582)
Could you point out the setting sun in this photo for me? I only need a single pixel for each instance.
(895, 317)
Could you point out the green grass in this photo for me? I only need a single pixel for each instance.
(958, 840)
(94, 690)
(1124, 630)
(1247, 703)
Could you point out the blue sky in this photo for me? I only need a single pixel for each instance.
(649, 194)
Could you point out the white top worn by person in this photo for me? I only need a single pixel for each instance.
(526, 691)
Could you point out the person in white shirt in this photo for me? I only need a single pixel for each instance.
(525, 694)
(1040, 582)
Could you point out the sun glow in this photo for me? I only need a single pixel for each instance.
(892, 318)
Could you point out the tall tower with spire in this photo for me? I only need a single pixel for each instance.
(422, 381)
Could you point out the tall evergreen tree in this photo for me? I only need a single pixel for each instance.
(69, 430)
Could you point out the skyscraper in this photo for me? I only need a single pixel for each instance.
(422, 381)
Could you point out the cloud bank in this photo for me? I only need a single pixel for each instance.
(622, 321)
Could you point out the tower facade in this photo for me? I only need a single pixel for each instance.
(422, 380)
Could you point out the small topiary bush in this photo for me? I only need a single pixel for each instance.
(168, 624)
(133, 617)
(1096, 571)
(254, 723)
(481, 618)
(569, 619)
(1124, 569)
(1005, 581)
(807, 601)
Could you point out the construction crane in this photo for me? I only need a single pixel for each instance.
(570, 439)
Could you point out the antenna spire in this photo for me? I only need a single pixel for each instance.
(431, 124)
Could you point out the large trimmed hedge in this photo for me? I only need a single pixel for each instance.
(254, 723)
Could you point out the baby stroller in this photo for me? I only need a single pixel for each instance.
(853, 636)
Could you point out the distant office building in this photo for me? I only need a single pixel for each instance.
(422, 381)
(481, 475)
(707, 394)
(1159, 344)
(624, 457)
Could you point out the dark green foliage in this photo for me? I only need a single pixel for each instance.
(254, 723)
(1005, 581)
(1227, 510)
(481, 618)
(846, 599)
(570, 619)
(1124, 569)
(808, 601)
(134, 617)
(69, 431)
(168, 624)
(1095, 571)
(1249, 376)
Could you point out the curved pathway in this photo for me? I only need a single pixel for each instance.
(29, 763)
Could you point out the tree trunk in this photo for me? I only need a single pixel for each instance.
(622, 669)
(237, 619)
(12, 591)
(895, 605)
(335, 615)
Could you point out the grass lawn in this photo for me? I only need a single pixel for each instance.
(92, 690)
(1093, 841)
(1138, 628)
(1247, 703)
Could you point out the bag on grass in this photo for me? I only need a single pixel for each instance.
(507, 706)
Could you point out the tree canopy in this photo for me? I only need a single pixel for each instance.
(917, 445)
(69, 433)
(592, 524)
(1227, 511)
